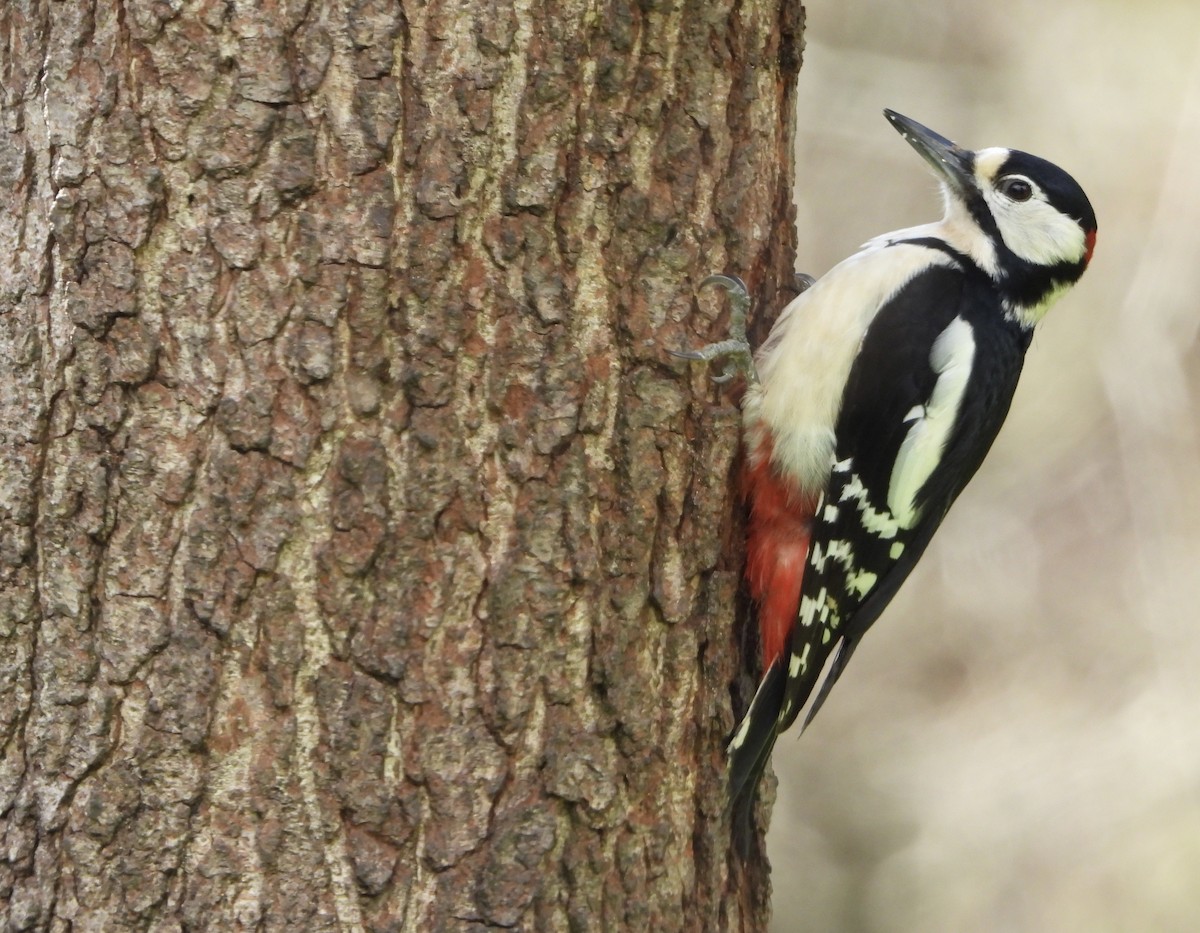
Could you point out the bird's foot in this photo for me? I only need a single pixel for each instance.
(735, 350)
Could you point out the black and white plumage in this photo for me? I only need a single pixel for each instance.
(877, 395)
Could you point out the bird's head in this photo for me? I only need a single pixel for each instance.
(1023, 220)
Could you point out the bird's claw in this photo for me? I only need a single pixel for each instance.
(729, 349)
(736, 349)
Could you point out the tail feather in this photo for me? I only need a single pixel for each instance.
(781, 696)
(752, 741)
(845, 648)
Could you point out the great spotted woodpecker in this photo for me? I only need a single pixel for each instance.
(872, 403)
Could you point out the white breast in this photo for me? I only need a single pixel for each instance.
(804, 364)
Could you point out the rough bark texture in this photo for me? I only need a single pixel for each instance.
(361, 554)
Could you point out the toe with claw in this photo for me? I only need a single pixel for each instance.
(736, 349)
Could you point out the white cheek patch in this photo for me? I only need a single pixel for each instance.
(952, 358)
(1036, 231)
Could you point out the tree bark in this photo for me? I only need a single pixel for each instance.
(364, 563)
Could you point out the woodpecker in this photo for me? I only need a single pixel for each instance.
(872, 403)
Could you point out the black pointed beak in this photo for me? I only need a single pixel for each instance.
(953, 164)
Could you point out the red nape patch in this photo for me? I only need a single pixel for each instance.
(777, 539)
(1090, 243)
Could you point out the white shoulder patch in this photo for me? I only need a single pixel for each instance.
(952, 358)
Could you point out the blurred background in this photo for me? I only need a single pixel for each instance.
(1016, 745)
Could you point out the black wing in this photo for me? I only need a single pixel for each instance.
(926, 397)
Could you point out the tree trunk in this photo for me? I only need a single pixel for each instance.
(365, 563)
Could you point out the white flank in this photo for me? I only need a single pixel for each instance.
(952, 357)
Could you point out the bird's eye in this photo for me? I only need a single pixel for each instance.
(1015, 188)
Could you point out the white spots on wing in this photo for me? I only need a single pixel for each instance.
(880, 523)
(917, 411)
(952, 358)
(838, 549)
(821, 609)
(896, 550)
(797, 668)
(799, 662)
(862, 582)
(854, 583)
(815, 609)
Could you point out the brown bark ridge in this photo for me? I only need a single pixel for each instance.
(361, 553)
